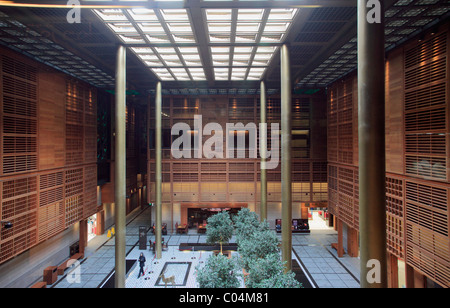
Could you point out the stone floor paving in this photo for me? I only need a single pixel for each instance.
(312, 251)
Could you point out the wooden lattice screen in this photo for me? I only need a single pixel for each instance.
(18, 206)
(19, 115)
(425, 108)
(426, 157)
(395, 193)
(19, 134)
(39, 201)
(427, 230)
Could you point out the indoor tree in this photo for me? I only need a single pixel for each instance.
(218, 272)
(245, 222)
(257, 245)
(269, 272)
(219, 228)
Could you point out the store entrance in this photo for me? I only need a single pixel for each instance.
(92, 227)
(318, 218)
(199, 216)
(195, 215)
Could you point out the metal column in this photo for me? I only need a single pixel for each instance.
(286, 188)
(120, 168)
(158, 170)
(263, 150)
(371, 119)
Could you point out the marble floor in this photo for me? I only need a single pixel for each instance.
(312, 251)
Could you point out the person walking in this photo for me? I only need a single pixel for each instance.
(141, 264)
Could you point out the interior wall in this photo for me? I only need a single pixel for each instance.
(48, 173)
(417, 153)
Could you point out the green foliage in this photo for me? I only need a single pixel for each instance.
(259, 249)
(245, 222)
(257, 245)
(219, 272)
(219, 228)
(269, 272)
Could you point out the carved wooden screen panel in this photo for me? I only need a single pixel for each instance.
(426, 157)
(90, 191)
(51, 205)
(19, 116)
(90, 125)
(74, 123)
(18, 206)
(425, 108)
(345, 121)
(74, 193)
(346, 196)
(333, 190)
(395, 216)
(428, 245)
(332, 139)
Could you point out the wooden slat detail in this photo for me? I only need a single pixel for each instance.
(426, 108)
(428, 242)
(52, 120)
(38, 201)
(19, 206)
(395, 216)
(19, 116)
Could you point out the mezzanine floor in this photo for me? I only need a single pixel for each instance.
(312, 251)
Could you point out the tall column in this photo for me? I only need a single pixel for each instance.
(371, 119)
(158, 170)
(286, 188)
(263, 151)
(120, 168)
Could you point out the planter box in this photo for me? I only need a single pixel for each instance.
(207, 247)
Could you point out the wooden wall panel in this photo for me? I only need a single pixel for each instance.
(48, 130)
(236, 180)
(395, 113)
(52, 140)
(417, 155)
(19, 115)
(426, 104)
(319, 127)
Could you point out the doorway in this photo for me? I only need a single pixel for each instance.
(196, 214)
(92, 227)
(199, 216)
(319, 218)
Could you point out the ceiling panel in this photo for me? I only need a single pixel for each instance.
(200, 44)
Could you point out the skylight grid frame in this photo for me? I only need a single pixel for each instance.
(234, 26)
(234, 21)
(158, 29)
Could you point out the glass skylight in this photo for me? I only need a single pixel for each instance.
(234, 37)
(239, 28)
(156, 28)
